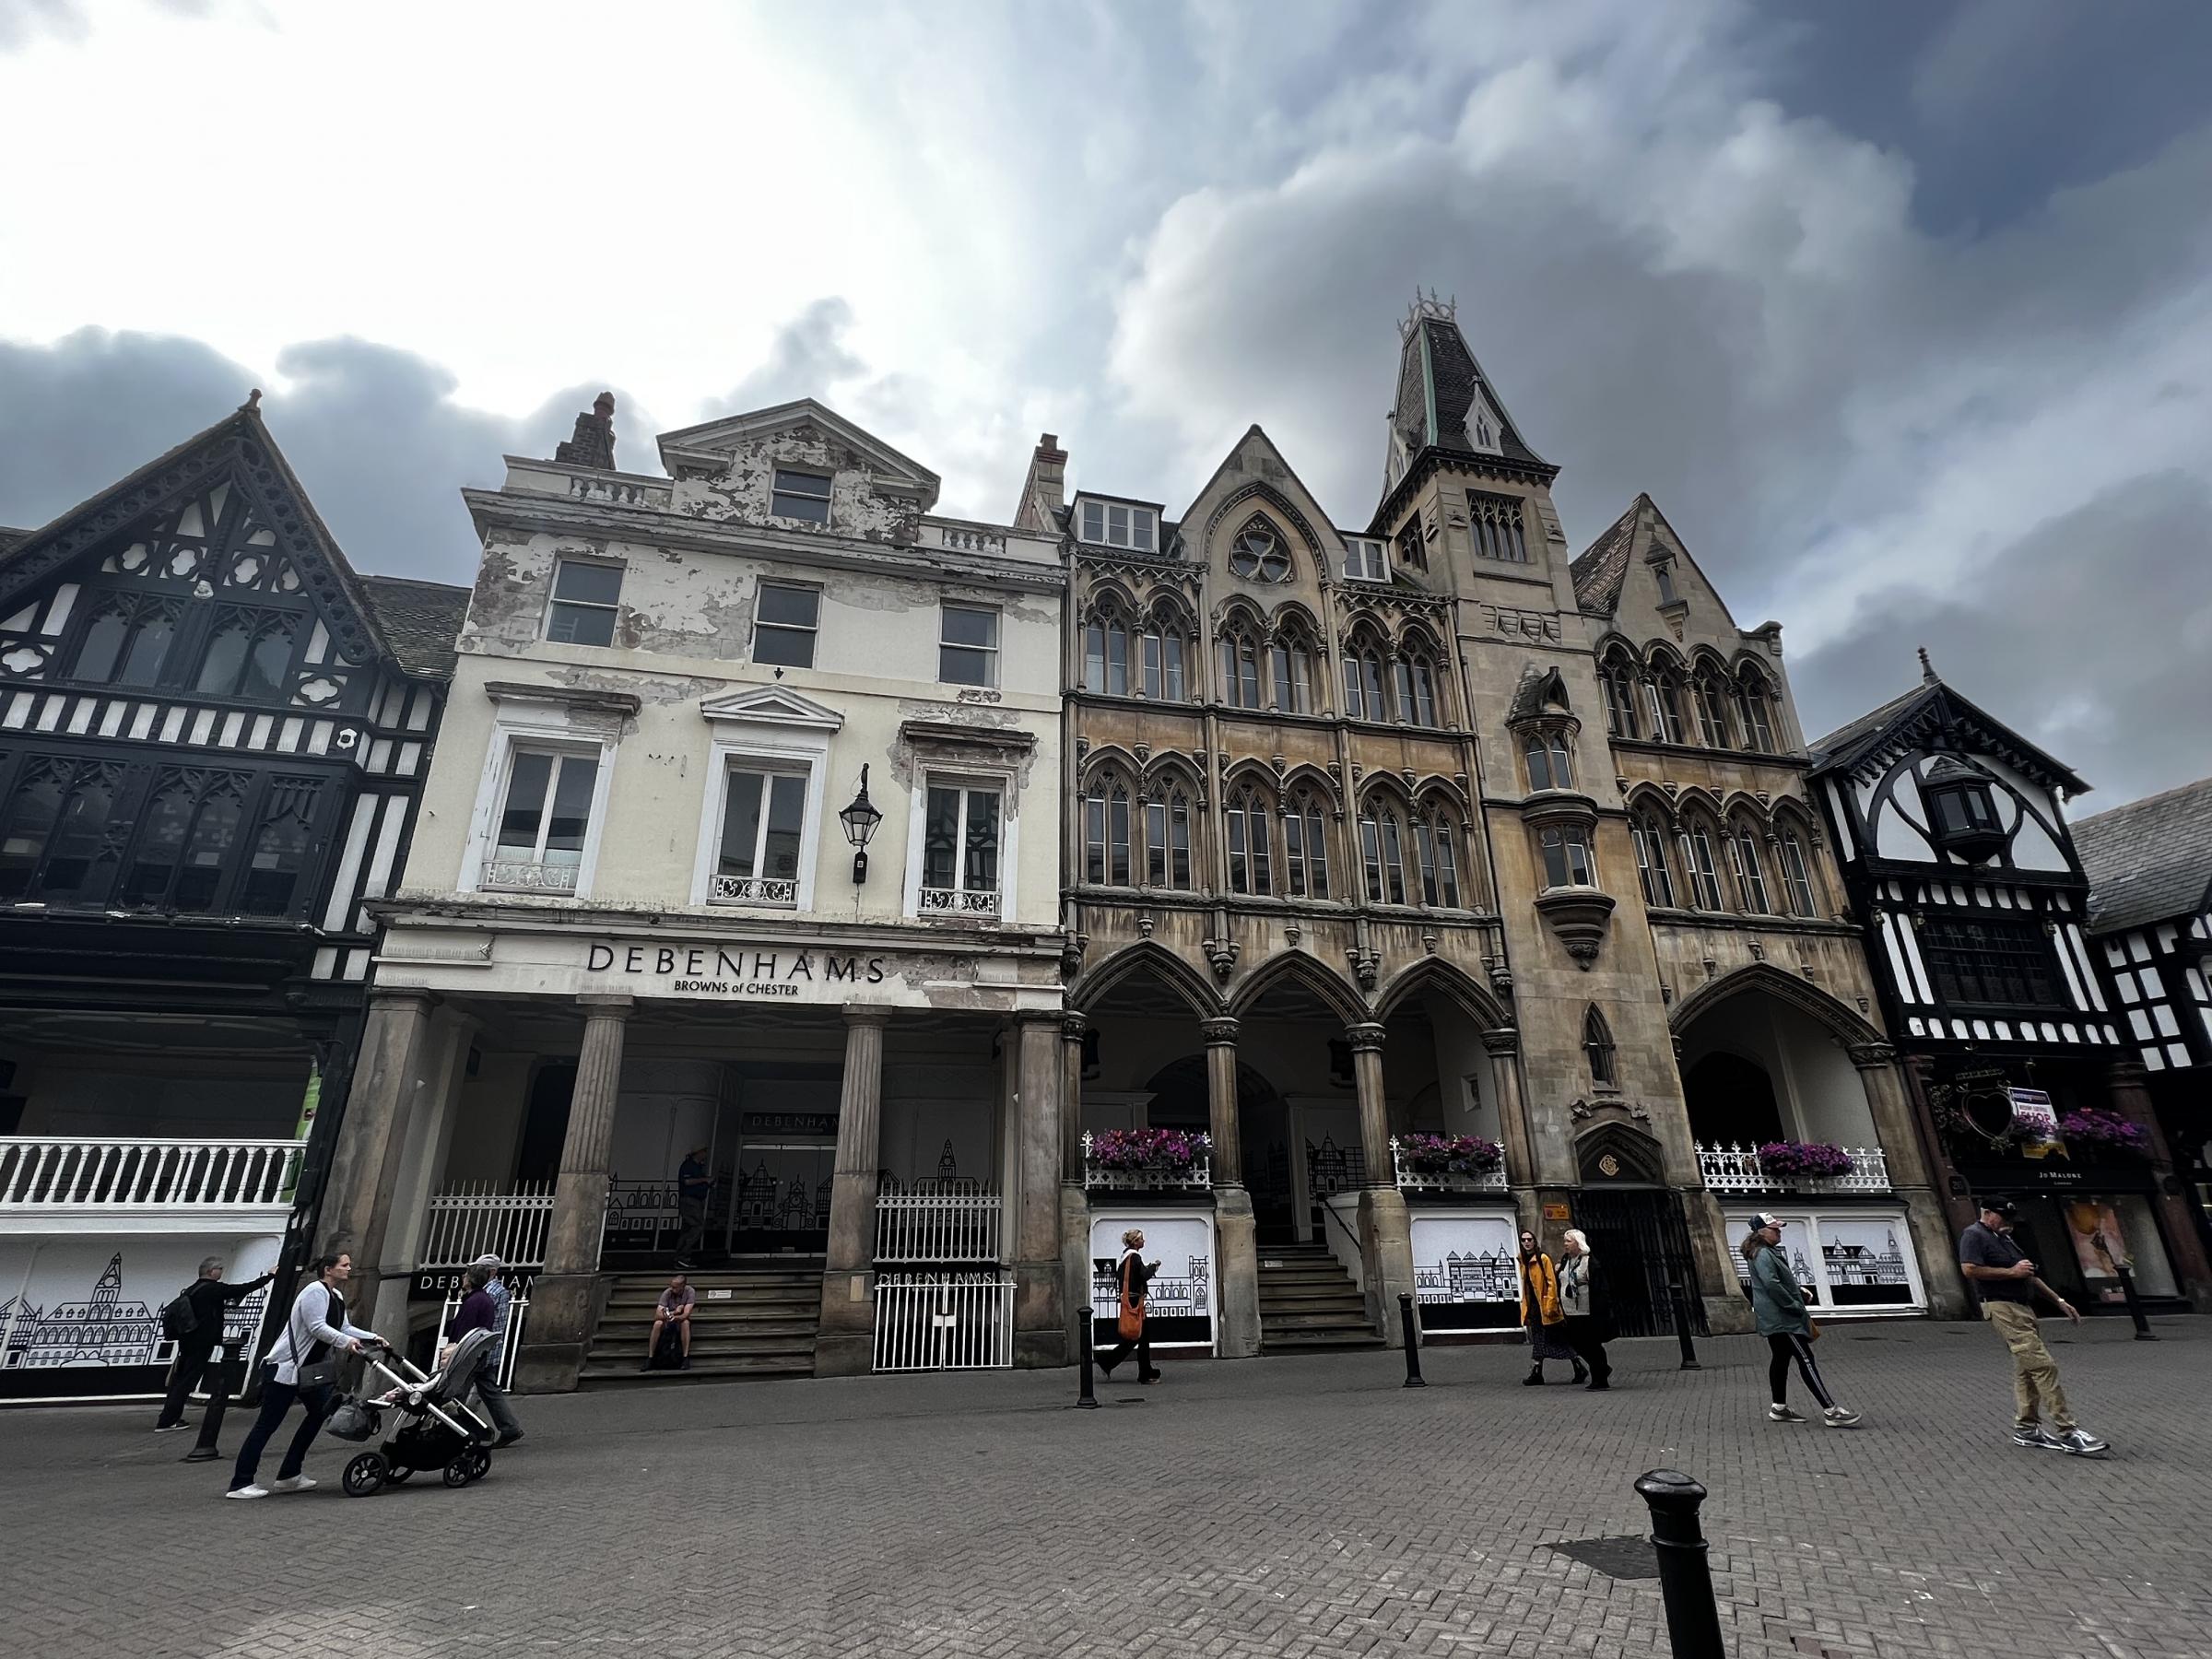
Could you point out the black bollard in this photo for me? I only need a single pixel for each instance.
(204, 1450)
(2134, 1303)
(1088, 1400)
(1693, 1618)
(1413, 1342)
(1682, 1331)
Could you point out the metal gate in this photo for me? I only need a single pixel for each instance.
(1640, 1241)
(943, 1321)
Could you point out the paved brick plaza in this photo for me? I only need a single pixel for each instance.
(1275, 1507)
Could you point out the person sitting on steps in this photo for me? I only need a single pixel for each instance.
(673, 1308)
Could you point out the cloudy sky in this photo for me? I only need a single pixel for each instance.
(1902, 312)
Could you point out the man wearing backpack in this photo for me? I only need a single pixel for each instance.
(194, 1323)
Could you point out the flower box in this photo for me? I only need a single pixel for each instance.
(1804, 1160)
(1451, 1154)
(2103, 1131)
(1149, 1149)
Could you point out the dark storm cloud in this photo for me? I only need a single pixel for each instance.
(375, 433)
(2092, 637)
(808, 358)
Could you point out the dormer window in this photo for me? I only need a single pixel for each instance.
(1366, 560)
(801, 495)
(1963, 815)
(1663, 574)
(1118, 524)
(1258, 555)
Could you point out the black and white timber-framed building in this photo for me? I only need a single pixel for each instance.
(213, 732)
(1951, 831)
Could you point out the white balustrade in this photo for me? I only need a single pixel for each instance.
(1411, 1180)
(525, 876)
(756, 890)
(936, 1221)
(1737, 1168)
(123, 1173)
(944, 1322)
(958, 902)
(1198, 1177)
(971, 539)
(467, 1222)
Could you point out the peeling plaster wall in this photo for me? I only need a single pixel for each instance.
(859, 506)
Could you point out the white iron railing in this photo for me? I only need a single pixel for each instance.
(938, 1222)
(468, 1222)
(518, 1313)
(529, 877)
(944, 1322)
(1411, 1180)
(1734, 1169)
(756, 890)
(1197, 1178)
(958, 902)
(116, 1172)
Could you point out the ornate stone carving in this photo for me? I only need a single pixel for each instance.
(1871, 1056)
(1428, 940)
(1365, 1039)
(1220, 1030)
(1145, 924)
(1502, 976)
(1579, 916)
(1292, 933)
(1367, 965)
(1072, 1026)
(1501, 1039)
(1221, 954)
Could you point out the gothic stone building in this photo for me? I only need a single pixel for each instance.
(1415, 828)
(1961, 868)
(213, 734)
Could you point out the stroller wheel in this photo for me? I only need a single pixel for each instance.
(471, 1465)
(365, 1474)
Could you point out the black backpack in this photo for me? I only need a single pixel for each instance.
(179, 1319)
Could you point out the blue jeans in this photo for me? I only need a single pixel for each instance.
(275, 1401)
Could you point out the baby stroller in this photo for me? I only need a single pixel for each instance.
(435, 1432)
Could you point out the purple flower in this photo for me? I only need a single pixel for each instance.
(1804, 1160)
(1149, 1149)
(1451, 1154)
(2105, 1130)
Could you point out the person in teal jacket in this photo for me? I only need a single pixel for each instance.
(1778, 1307)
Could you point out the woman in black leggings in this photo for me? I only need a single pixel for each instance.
(1778, 1303)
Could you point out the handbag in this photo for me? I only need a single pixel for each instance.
(312, 1372)
(1812, 1329)
(1131, 1324)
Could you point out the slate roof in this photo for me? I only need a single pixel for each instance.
(9, 537)
(1920, 715)
(2150, 859)
(1603, 566)
(419, 621)
(1873, 721)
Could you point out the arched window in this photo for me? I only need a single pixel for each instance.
(1363, 679)
(1305, 847)
(269, 885)
(1382, 843)
(126, 642)
(1663, 692)
(1750, 873)
(1651, 867)
(1548, 763)
(1106, 830)
(1754, 702)
(1106, 650)
(1251, 866)
(1168, 839)
(248, 655)
(1290, 669)
(1700, 872)
(1165, 644)
(1259, 553)
(1598, 1043)
(1436, 849)
(1416, 687)
(185, 840)
(52, 846)
(1712, 718)
(1567, 860)
(1796, 872)
(1619, 682)
(1240, 668)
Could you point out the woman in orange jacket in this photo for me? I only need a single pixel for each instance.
(1542, 1315)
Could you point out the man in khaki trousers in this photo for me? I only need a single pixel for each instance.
(2003, 1275)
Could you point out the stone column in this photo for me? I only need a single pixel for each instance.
(1039, 1320)
(564, 1303)
(1503, 1045)
(1074, 1199)
(1237, 1261)
(2130, 1089)
(846, 1344)
(1386, 1231)
(390, 1081)
(1934, 1240)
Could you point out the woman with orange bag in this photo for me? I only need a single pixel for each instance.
(1540, 1313)
(1134, 1274)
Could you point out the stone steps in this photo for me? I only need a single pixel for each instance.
(743, 1325)
(1306, 1300)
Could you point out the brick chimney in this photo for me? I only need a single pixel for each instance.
(594, 444)
(1045, 491)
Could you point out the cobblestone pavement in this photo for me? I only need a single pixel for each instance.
(1299, 1506)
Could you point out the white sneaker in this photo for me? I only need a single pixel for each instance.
(298, 1483)
(170, 1428)
(2080, 1442)
(247, 1491)
(1782, 1414)
(1840, 1416)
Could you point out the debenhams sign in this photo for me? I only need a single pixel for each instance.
(734, 970)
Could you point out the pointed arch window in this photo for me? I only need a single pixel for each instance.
(1663, 692)
(1754, 703)
(1567, 860)
(1796, 873)
(1549, 763)
(1363, 679)
(184, 840)
(1597, 1044)
(1436, 843)
(1384, 838)
(126, 642)
(1106, 831)
(1750, 873)
(1415, 678)
(269, 884)
(54, 838)
(1106, 651)
(1652, 869)
(1496, 521)
(1250, 865)
(1700, 872)
(1290, 665)
(1164, 647)
(1713, 717)
(1413, 545)
(1240, 670)
(1620, 697)
(1168, 840)
(1305, 847)
(248, 655)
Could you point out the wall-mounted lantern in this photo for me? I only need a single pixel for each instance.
(860, 820)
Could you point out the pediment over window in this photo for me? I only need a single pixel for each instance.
(712, 445)
(773, 705)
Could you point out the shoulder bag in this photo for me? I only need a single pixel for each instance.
(1131, 1322)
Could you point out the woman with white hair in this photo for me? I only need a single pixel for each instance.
(1581, 1297)
(1134, 1274)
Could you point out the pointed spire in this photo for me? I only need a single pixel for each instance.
(1927, 669)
